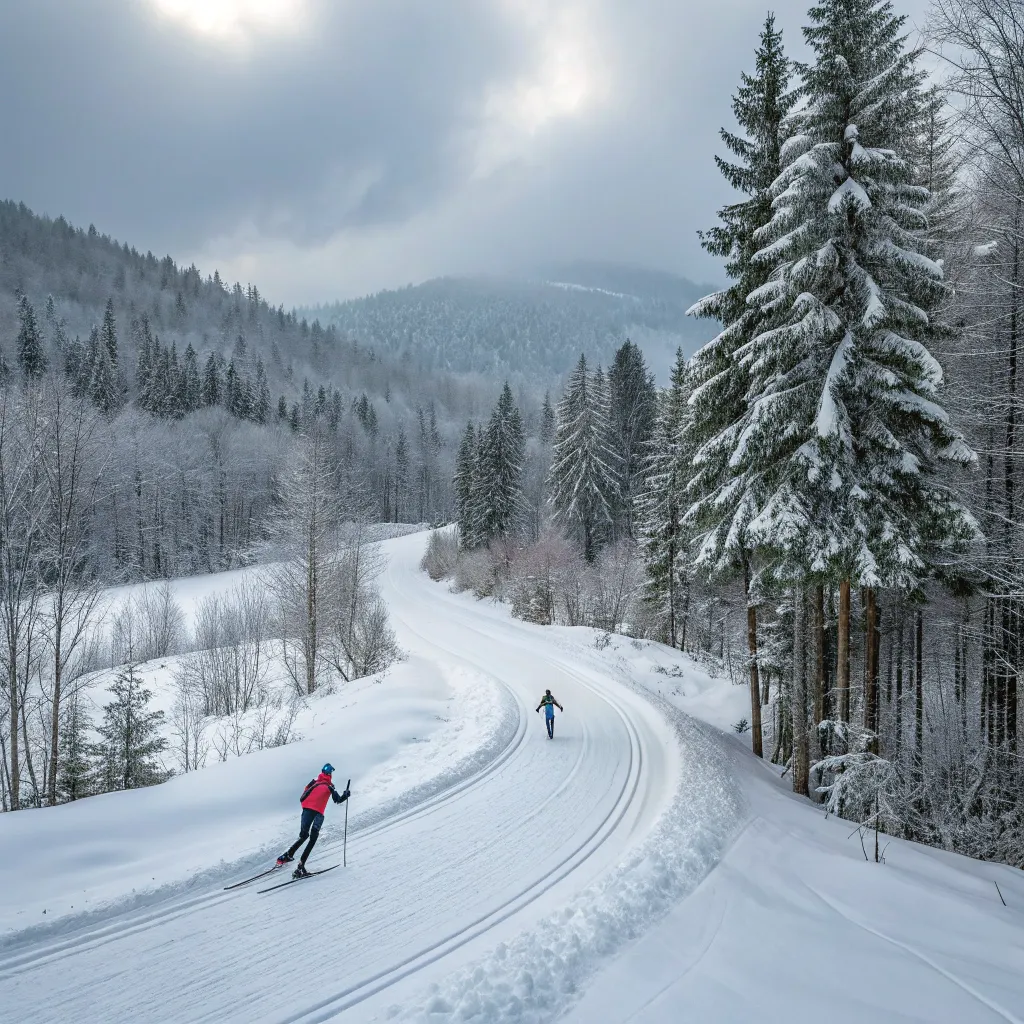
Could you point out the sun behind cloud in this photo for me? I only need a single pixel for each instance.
(233, 20)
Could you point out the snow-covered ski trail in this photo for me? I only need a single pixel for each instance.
(425, 890)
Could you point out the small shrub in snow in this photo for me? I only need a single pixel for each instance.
(442, 554)
(147, 626)
(475, 572)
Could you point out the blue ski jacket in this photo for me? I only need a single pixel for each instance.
(548, 703)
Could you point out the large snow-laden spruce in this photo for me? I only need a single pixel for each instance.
(584, 475)
(722, 496)
(843, 417)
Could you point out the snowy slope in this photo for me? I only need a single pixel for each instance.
(795, 923)
(527, 827)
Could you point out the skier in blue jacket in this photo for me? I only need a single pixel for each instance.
(548, 703)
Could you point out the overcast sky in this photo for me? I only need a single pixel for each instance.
(327, 148)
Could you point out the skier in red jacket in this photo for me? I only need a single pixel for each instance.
(314, 802)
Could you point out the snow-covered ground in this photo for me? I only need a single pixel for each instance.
(640, 867)
(795, 924)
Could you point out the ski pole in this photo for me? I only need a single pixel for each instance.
(344, 845)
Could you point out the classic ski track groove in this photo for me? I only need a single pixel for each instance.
(114, 928)
(351, 996)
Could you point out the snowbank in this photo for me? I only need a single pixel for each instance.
(795, 918)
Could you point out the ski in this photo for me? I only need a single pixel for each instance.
(312, 874)
(246, 881)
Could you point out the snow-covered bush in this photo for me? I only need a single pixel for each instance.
(475, 572)
(230, 664)
(442, 554)
(148, 625)
(535, 580)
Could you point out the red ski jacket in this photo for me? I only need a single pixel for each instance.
(322, 791)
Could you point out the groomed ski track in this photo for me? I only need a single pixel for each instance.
(426, 890)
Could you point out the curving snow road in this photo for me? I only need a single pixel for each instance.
(425, 891)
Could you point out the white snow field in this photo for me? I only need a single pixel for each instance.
(640, 867)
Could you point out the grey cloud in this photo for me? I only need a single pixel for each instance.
(364, 127)
(126, 121)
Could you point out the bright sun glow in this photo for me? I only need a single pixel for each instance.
(233, 19)
(564, 81)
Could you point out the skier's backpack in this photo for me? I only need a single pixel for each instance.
(310, 786)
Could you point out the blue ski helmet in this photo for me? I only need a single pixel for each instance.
(328, 769)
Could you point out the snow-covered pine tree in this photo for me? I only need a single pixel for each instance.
(244, 403)
(125, 757)
(172, 396)
(261, 404)
(843, 420)
(231, 386)
(213, 387)
(401, 477)
(103, 384)
(661, 506)
(193, 387)
(73, 764)
(548, 420)
(465, 469)
(722, 491)
(503, 455)
(478, 499)
(108, 333)
(633, 401)
(58, 330)
(583, 477)
(31, 355)
(144, 371)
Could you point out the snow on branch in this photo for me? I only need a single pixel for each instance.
(828, 421)
(849, 192)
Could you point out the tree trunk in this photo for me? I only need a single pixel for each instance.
(819, 666)
(801, 758)
(51, 781)
(755, 682)
(843, 652)
(919, 690)
(672, 592)
(15, 758)
(871, 668)
(900, 656)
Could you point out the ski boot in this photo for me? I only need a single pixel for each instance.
(285, 858)
(300, 871)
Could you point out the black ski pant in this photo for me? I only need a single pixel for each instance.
(551, 727)
(308, 829)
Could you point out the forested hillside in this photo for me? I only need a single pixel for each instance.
(202, 388)
(527, 329)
